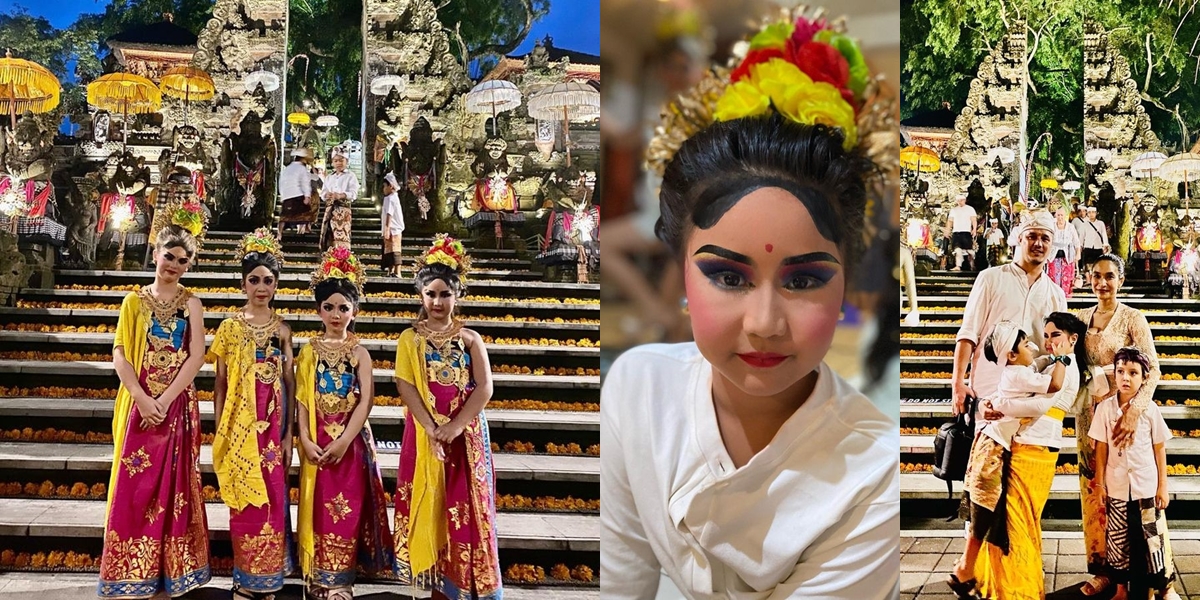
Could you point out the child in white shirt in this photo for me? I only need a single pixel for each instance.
(1134, 480)
(393, 226)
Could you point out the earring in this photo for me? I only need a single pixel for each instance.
(684, 306)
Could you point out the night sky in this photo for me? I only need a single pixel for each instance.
(574, 24)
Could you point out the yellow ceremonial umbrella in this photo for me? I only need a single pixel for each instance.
(188, 83)
(299, 118)
(124, 92)
(27, 86)
(919, 159)
(1049, 183)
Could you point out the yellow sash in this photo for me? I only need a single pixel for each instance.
(132, 325)
(236, 457)
(306, 378)
(1056, 413)
(428, 531)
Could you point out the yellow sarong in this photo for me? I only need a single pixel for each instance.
(1018, 575)
(236, 457)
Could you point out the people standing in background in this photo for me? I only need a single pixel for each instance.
(1094, 240)
(295, 187)
(1061, 267)
(994, 239)
(393, 226)
(963, 221)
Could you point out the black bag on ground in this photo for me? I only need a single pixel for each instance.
(952, 447)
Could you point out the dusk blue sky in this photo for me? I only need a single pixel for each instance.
(574, 24)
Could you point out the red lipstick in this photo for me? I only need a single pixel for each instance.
(762, 360)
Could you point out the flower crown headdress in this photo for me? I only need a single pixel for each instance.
(450, 252)
(190, 216)
(340, 263)
(800, 66)
(261, 240)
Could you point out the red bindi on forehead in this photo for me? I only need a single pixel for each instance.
(770, 248)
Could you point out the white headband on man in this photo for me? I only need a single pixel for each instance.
(1037, 219)
(1004, 336)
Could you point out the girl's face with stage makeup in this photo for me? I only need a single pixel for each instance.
(336, 312)
(438, 299)
(260, 285)
(765, 291)
(171, 263)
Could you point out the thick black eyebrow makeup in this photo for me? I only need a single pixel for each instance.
(724, 253)
(809, 258)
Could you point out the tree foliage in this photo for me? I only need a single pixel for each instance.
(327, 31)
(944, 42)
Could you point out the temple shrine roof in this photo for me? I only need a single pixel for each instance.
(583, 66)
(164, 35)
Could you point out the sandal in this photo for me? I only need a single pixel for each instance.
(342, 593)
(963, 589)
(238, 592)
(1095, 585)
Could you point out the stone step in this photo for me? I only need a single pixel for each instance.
(477, 274)
(45, 456)
(923, 444)
(1181, 385)
(1160, 345)
(22, 517)
(948, 361)
(1155, 327)
(942, 410)
(75, 586)
(1075, 302)
(105, 369)
(312, 321)
(367, 303)
(514, 289)
(29, 339)
(102, 408)
(924, 486)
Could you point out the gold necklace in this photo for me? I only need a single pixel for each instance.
(164, 310)
(334, 353)
(261, 334)
(438, 338)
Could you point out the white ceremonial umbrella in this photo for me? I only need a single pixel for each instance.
(565, 101)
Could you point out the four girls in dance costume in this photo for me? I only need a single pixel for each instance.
(156, 533)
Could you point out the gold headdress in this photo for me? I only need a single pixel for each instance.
(340, 263)
(447, 251)
(799, 66)
(261, 240)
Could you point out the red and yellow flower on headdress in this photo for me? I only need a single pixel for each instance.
(799, 65)
(340, 263)
(190, 216)
(448, 251)
(263, 241)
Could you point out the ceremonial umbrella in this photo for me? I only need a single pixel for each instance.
(1146, 164)
(564, 100)
(1049, 183)
(494, 96)
(269, 81)
(380, 86)
(188, 83)
(27, 86)
(919, 159)
(1181, 168)
(299, 118)
(1071, 186)
(124, 92)
(1006, 155)
(1095, 155)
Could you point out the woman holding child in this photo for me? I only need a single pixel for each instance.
(1111, 326)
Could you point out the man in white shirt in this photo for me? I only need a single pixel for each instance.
(295, 187)
(393, 225)
(1020, 292)
(1095, 238)
(963, 220)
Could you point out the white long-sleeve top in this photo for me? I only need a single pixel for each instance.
(814, 515)
(295, 180)
(344, 182)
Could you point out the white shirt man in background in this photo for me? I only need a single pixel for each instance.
(1094, 238)
(963, 223)
(295, 186)
(393, 225)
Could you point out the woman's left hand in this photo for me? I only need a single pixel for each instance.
(1124, 428)
(448, 433)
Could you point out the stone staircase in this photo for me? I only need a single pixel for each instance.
(926, 362)
(57, 383)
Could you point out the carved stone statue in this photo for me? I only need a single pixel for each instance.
(539, 58)
(572, 237)
(26, 162)
(247, 166)
(415, 163)
(390, 129)
(186, 151)
(494, 200)
(14, 269)
(124, 197)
